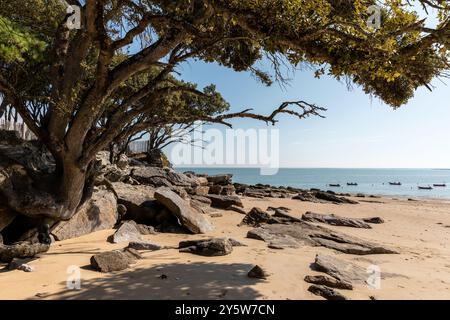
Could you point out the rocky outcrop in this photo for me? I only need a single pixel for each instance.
(209, 248)
(162, 177)
(307, 234)
(99, 213)
(224, 202)
(222, 179)
(21, 250)
(329, 282)
(127, 232)
(339, 269)
(181, 209)
(334, 220)
(257, 273)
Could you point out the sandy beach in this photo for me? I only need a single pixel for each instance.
(419, 230)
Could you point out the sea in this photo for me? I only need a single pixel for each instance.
(370, 181)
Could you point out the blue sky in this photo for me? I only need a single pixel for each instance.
(358, 132)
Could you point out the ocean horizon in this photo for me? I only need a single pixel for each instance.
(371, 181)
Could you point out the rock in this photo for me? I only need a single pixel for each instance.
(236, 209)
(285, 216)
(335, 220)
(236, 243)
(257, 273)
(201, 190)
(21, 250)
(1, 239)
(209, 248)
(374, 220)
(111, 261)
(255, 217)
(308, 234)
(132, 254)
(339, 269)
(145, 245)
(202, 199)
(144, 229)
(228, 190)
(99, 213)
(327, 293)
(333, 198)
(222, 179)
(6, 216)
(215, 189)
(224, 202)
(127, 232)
(162, 177)
(19, 264)
(122, 162)
(139, 201)
(187, 216)
(329, 282)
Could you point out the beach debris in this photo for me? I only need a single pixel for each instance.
(335, 220)
(21, 250)
(209, 247)
(224, 202)
(127, 232)
(116, 260)
(145, 245)
(326, 292)
(308, 234)
(100, 213)
(255, 217)
(191, 219)
(257, 273)
(329, 282)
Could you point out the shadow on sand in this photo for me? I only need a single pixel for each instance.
(169, 282)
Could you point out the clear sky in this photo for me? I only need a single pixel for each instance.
(358, 132)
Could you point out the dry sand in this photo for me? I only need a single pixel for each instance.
(420, 231)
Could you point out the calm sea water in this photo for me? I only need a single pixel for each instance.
(370, 181)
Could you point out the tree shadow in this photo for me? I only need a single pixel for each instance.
(172, 281)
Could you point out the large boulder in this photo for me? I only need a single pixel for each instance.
(99, 213)
(127, 232)
(209, 248)
(162, 177)
(116, 260)
(180, 208)
(224, 202)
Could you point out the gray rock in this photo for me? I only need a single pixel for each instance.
(145, 245)
(333, 198)
(327, 293)
(257, 273)
(334, 220)
(21, 250)
(236, 243)
(236, 209)
(100, 213)
(209, 247)
(329, 282)
(255, 217)
(180, 208)
(111, 261)
(162, 177)
(308, 234)
(127, 232)
(224, 202)
(222, 179)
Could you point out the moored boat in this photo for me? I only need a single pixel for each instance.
(395, 183)
(425, 188)
(440, 185)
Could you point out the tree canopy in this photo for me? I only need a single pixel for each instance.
(78, 90)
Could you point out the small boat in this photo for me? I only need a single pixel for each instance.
(352, 184)
(395, 183)
(335, 185)
(443, 185)
(426, 188)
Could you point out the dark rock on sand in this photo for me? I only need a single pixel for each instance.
(236, 243)
(335, 220)
(20, 264)
(224, 202)
(112, 261)
(339, 269)
(333, 198)
(191, 219)
(127, 232)
(255, 217)
(257, 273)
(209, 247)
(327, 293)
(329, 282)
(21, 250)
(145, 245)
(236, 209)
